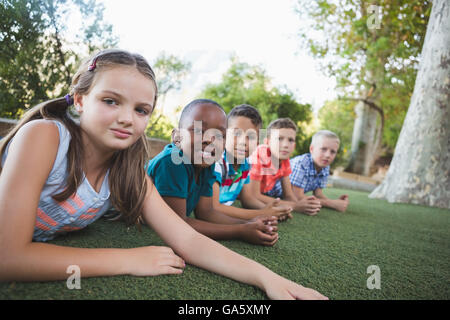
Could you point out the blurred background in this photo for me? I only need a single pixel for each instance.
(344, 65)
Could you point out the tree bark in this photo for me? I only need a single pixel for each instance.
(363, 139)
(420, 170)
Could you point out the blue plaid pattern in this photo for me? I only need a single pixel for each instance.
(304, 175)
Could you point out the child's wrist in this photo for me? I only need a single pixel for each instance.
(267, 278)
(240, 230)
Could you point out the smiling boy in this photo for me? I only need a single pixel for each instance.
(232, 170)
(183, 175)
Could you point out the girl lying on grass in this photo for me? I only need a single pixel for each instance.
(59, 176)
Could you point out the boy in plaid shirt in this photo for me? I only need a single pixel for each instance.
(310, 171)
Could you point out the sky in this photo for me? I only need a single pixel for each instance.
(208, 32)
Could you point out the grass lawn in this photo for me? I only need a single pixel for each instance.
(329, 252)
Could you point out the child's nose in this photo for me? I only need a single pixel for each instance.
(284, 143)
(125, 116)
(242, 141)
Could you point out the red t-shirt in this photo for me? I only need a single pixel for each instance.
(265, 171)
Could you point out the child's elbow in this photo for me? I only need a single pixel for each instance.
(7, 265)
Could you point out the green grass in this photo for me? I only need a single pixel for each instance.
(329, 252)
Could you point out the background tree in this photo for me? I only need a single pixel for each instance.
(37, 58)
(373, 52)
(420, 170)
(243, 83)
(336, 116)
(170, 72)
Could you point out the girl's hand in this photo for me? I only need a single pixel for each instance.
(283, 289)
(153, 261)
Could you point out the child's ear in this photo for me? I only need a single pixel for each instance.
(310, 148)
(176, 136)
(78, 102)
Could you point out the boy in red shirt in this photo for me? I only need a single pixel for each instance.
(270, 163)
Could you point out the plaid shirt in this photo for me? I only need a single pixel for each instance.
(304, 175)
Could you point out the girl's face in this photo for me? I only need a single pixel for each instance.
(115, 112)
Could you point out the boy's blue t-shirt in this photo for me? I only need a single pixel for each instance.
(175, 178)
(230, 181)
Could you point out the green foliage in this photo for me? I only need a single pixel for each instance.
(360, 55)
(246, 84)
(169, 70)
(160, 126)
(36, 62)
(336, 116)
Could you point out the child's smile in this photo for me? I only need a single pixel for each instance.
(242, 137)
(202, 140)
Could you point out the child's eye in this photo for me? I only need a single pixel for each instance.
(109, 101)
(142, 111)
(291, 140)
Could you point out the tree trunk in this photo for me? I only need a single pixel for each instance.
(363, 139)
(420, 170)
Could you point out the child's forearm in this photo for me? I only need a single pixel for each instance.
(252, 203)
(45, 262)
(264, 199)
(215, 231)
(324, 201)
(212, 256)
(238, 213)
(218, 214)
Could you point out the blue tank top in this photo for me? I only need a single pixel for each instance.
(82, 208)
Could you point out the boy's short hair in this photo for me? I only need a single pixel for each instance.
(246, 110)
(282, 123)
(190, 106)
(324, 134)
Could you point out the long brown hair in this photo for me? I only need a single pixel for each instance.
(127, 176)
